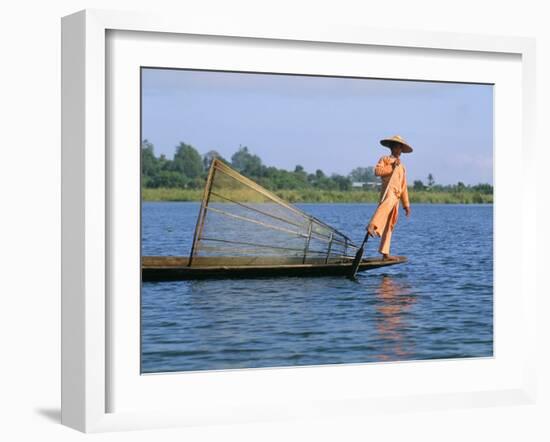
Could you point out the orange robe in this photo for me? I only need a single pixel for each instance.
(384, 218)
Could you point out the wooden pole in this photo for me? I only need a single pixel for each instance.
(308, 239)
(202, 212)
(330, 247)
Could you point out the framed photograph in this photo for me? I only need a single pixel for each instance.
(264, 223)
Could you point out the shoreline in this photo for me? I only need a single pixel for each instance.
(326, 196)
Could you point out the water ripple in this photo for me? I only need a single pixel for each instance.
(438, 305)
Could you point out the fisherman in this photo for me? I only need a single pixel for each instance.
(394, 189)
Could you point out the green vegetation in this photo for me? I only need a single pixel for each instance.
(170, 194)
(326, 196)
(182, 179)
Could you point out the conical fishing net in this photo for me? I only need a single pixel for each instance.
(242, 223)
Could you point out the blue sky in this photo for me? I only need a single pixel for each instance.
(327, 123)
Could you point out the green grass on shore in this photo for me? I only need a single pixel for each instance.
(327, 196)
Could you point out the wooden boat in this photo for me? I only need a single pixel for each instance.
(171, 268)
(245, 231)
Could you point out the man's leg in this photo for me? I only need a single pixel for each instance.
(385, 242)
(382, 216)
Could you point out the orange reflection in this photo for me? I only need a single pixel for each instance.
(395, 299)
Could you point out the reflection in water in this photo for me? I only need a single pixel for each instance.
(394, 299)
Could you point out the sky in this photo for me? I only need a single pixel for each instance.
(330, 123)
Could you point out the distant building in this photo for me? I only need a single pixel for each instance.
(367, 184)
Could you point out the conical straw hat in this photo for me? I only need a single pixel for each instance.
(405, 148)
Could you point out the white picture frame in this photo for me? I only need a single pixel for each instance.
(87, 208)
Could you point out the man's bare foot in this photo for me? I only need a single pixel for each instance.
(387, 257)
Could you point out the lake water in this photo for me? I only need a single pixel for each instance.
(438, 305)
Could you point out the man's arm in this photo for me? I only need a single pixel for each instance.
(405, 195)
(384, 167)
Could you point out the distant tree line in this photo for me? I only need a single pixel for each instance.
(188, 169)
(460, 187)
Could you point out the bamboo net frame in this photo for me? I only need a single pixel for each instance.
(238, 217)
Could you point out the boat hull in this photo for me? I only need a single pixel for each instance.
(167, 268)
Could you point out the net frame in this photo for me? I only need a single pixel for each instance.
(338, 244)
